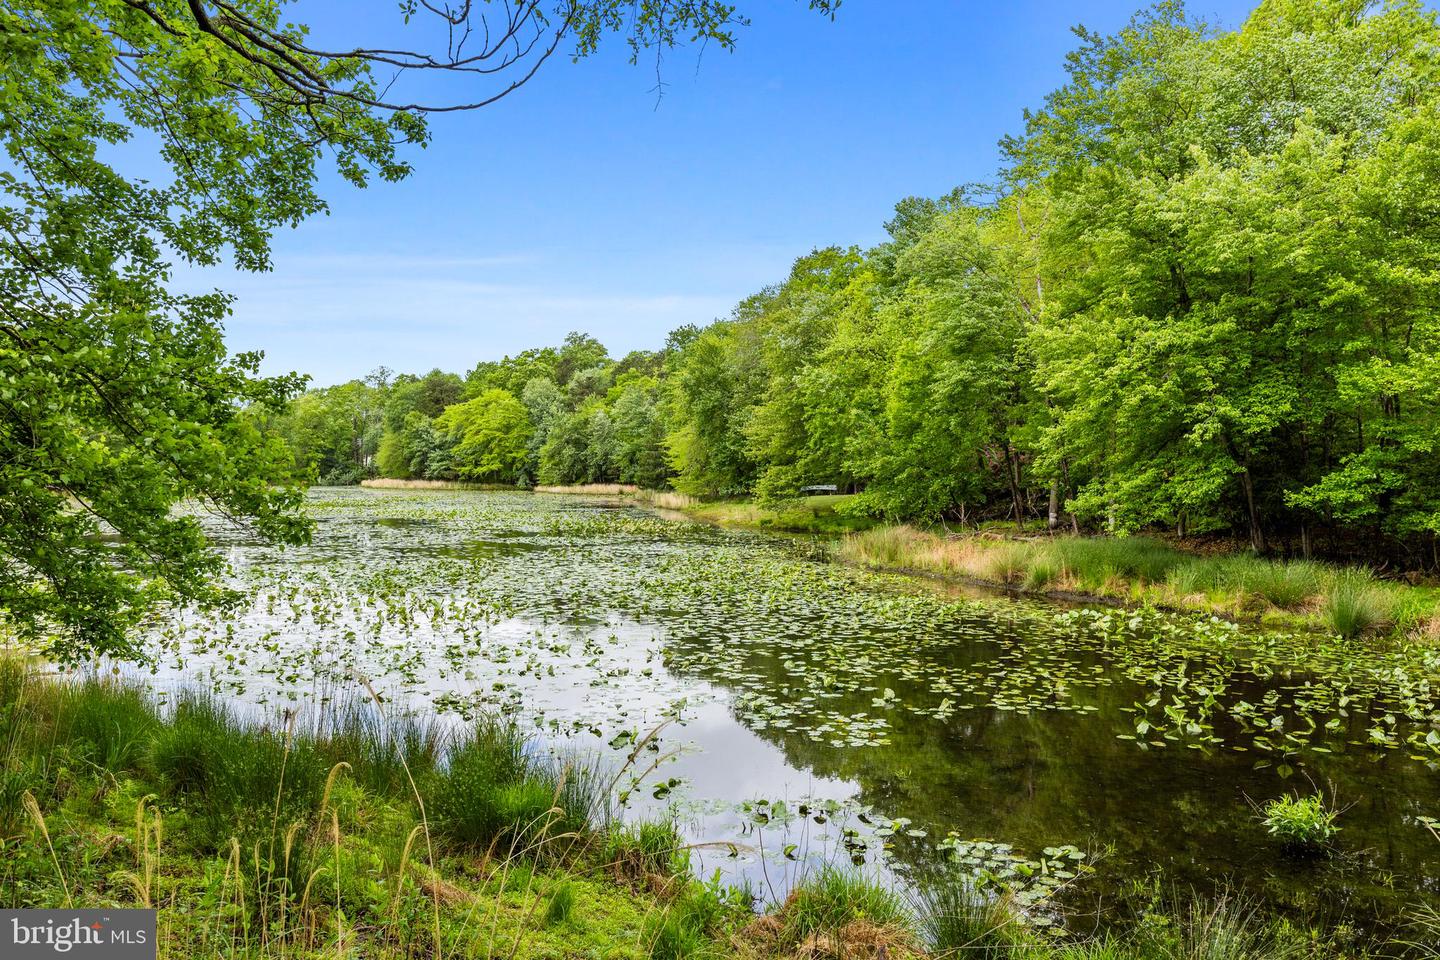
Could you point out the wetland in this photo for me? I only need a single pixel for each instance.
(792, 710)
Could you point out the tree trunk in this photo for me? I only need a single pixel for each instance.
(1012, 472)
(1257, 534)
(1053, 519)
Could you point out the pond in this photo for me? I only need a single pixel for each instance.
(810, 710)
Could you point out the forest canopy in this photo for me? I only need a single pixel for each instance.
(1202, 296)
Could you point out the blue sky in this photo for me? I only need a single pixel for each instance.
(578, 203)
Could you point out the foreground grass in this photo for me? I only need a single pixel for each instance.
(362, 836)
(1347, 601)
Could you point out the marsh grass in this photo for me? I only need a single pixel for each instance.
(1347, 601)
(1227, 928)
(592, 489)
(667, 499)
(635, 852)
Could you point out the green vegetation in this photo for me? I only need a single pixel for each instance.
(1348, 601)
(136, 135)
(819, 515)
(1093, 345)
(261, 842)
(1301, 823)
(958, 918)
(258, 842)
(832, 898)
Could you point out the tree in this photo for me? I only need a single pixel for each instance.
(639, 435)
(118, 398)
(579, 352)
(489, 436)
(1238, 332)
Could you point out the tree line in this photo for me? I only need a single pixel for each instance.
(1202, 296)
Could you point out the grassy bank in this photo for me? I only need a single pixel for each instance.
(813, 515)
(361, 836)
(1345, 600)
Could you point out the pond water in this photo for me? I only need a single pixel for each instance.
(808, 710)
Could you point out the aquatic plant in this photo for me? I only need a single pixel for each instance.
(1301, 823)
(1226, 928)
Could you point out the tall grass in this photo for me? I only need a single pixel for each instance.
(597, 489)
(666, 499)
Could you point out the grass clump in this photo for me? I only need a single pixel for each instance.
(1356, 605)
(1224, 929)
(957, 919)
(1007, 563)
(1286, 585)
(560, 905)
(1042, 572)
(1303, 824)
(490, 792)
(832, 898)
(644, 851)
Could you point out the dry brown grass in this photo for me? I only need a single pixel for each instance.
(390, 483)
(858, 940)
(594, 489)
(667, 499)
